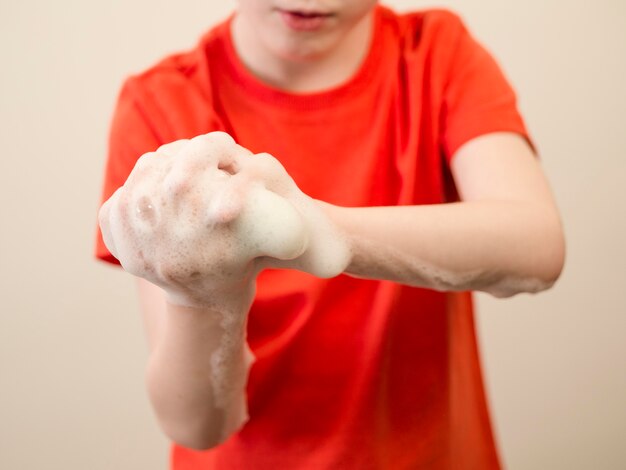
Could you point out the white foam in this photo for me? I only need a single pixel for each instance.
(197, 216)
(271, 226)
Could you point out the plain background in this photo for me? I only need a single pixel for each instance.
(72, 349)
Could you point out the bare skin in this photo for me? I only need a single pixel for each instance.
(447, 247)
(201, 218)
(504, 237)
(303, 61)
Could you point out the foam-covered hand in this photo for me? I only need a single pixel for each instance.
(201, 217)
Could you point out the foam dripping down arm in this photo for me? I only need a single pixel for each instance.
(197, 370)
(505, 236)
(197, 220)
(183, 223)
(452, 247)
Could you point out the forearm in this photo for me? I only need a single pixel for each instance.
(498, 247)
(197, 374)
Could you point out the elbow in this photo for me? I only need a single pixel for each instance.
(545, 267)
(550, 258)
(195, 428)
(203, 434)
(553, 272)
(197, 424)
(194, 440)
(547, 256)
(512, 285)
(203, 431)
(509, 286)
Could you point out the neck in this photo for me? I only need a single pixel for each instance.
(307, 74)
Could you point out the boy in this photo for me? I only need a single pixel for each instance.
(363, 349)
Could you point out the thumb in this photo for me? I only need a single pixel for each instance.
(272, 225)
(104, 221)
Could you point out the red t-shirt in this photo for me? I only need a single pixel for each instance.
(350, 373)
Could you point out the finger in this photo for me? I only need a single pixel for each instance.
(219, 146)
(211, 146)
(272, 173)
(173, 148)
(148, 167)
(217, 139)
(273, 226)
(225, 205)
(213, 151)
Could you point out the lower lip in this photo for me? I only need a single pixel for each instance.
(303, 23)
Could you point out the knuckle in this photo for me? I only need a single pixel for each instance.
(168, 272)
(173, 148)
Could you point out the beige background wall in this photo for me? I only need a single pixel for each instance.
(72, 351)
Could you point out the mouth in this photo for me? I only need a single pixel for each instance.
(300, 20)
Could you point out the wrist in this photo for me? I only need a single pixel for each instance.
(204, 296)
(331, 241)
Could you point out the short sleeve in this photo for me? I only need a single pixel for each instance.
(131, 135)
(477, 97)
